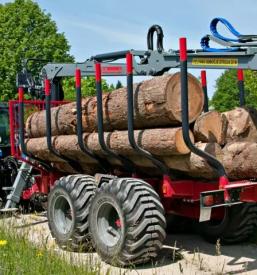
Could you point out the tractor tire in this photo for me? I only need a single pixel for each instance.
(68, 211)
(127, 222)
(238, 224)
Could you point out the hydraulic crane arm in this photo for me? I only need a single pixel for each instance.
(239, 53)
(154, 63)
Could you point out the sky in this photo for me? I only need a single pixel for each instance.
(98, 26)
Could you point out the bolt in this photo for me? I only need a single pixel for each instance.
(151, 72)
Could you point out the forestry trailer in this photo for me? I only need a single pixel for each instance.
(123, 217)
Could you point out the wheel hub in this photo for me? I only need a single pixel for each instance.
(62, 215)
(108, 224)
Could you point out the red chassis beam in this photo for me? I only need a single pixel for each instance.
(185, 199)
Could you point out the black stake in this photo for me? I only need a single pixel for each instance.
(213, 162)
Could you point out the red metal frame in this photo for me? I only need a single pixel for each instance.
(185, 197)
(46, 180)
(30, 107)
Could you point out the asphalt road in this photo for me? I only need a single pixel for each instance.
(192, 254)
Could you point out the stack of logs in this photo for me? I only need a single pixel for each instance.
(230, 136)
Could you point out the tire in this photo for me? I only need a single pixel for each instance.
(71, 195)
(127, 222)
(239, 223)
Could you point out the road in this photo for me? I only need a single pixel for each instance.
(185, 254)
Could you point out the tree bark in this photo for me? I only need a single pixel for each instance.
(188, 162)
(242, 122)
(160, 142)
(157, 103)
(211, 127)
(239, 160)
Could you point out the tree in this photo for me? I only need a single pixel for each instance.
(88, 87)
(26, 31)
(119, 85)
(226, 96)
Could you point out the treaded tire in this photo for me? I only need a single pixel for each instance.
(238, 225)
(78, 191)
(142, 222)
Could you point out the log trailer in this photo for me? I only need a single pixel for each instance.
(123, 218)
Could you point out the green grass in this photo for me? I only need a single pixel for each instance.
(19, 256)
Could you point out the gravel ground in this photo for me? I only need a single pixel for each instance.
(193, 254)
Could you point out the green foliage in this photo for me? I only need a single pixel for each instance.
(88, 87)
(119, 85)
(226, 96)
(26, 31)
(18, 255)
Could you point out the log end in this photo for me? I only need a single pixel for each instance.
(173, 96)
(211, 127)
(180, 143)
(241, 124)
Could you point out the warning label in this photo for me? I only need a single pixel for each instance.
(215, 61)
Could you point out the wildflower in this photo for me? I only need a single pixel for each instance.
(52, 243)
(3, 242)
(39, 254)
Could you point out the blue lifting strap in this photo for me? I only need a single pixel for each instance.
(213, 27)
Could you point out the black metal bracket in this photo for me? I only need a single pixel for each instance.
(130, 102)
(73, 164)
(128, 164)
(102, 162)
(43, 163)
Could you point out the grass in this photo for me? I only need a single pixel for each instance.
(19, 256)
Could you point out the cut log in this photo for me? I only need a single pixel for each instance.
(242, 123)
(187, 162)
(157, 103)
(211, 127)
(168, 141)
(240, 160)
(160, 142)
